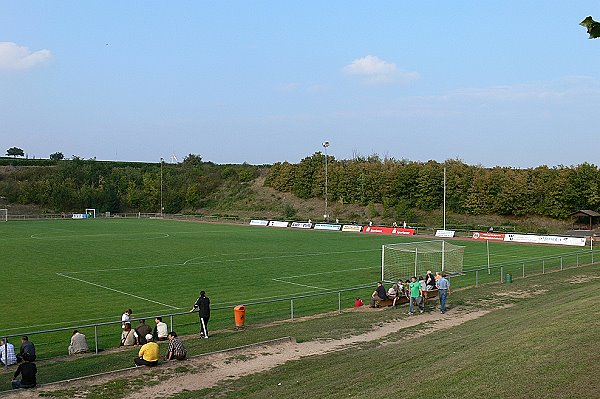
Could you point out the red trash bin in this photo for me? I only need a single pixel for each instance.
(240, 315)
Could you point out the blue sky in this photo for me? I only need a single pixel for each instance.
(511, 83)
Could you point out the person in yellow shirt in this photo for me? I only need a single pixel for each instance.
(149, 353)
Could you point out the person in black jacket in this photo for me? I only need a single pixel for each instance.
(27, 370)
(202, 305)
(26, 347)
(429, 280)
(379, 294)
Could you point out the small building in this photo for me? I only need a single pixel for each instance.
(585, 219)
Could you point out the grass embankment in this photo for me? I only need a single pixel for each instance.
(541, 346)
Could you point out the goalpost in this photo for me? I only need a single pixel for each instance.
(402, 261)
(91, 212)
(3, 215)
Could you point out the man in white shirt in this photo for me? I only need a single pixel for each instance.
(7, 353)
(161, 331)
(126, 317)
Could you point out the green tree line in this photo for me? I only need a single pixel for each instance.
(76, 184)
(402, 185)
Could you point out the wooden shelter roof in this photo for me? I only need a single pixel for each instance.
(585, 212)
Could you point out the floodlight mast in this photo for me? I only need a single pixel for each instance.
(162, 160)
(326, 215)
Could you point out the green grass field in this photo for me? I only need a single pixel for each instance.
(65, 273)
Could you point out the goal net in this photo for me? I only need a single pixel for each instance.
(91, 212)
(3, 215)
(402, 261)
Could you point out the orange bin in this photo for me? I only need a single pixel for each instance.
(240, 315)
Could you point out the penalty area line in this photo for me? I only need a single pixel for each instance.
(301, 285)
(118, 291)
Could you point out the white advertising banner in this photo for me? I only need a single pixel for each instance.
(352, 227)
(553, 240)
(258, 222)
(327, 226)
(80, 216)
(275, 223)
(301, 225)
(444, 233)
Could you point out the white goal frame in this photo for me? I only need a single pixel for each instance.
(3, 215)
(405, 260)
(91, 212)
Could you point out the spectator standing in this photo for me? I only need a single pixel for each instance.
(202, 305)
(7, 353)
(443, 286)
(142, 330)
(27, 370)
(378, 295)
(161, 331)
(78, 343)
(415, 296)
(176, 350)
(126, 317)
(148, 354)
(26, 347)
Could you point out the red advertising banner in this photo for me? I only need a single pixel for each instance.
(489, 236)
(388, 230)
(403, 232)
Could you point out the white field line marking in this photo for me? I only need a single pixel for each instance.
(331, 271)
(120, 292)
(75, 323)
(60, 238)
(185, 263)
(301, 285)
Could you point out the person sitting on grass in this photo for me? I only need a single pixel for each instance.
(26, 347)
(27, 370)
(78, 343)
(161, 331)
(142, 330)
(176, 350)
(378, 295)
(148, 354)
(7, 353)
(129, 337)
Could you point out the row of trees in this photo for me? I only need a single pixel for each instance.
(18, 152)
(77, 184)
(402, 185)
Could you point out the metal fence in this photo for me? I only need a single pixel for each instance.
(519, 269)
(106, 335)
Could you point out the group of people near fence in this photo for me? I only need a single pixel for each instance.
(414, 289)
(143, 335)
(25, 359)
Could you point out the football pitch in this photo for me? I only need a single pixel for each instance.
(64, 273)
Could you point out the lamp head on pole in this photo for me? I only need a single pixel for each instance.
(326, 144)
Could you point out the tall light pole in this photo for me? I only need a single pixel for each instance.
(325, 145)
(162, 160)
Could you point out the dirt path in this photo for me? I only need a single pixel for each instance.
(208, 370)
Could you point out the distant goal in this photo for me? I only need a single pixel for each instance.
(3, 215)
(402, 261)
(91, 212)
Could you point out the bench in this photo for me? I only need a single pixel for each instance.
(427, 295)
(430, 294)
